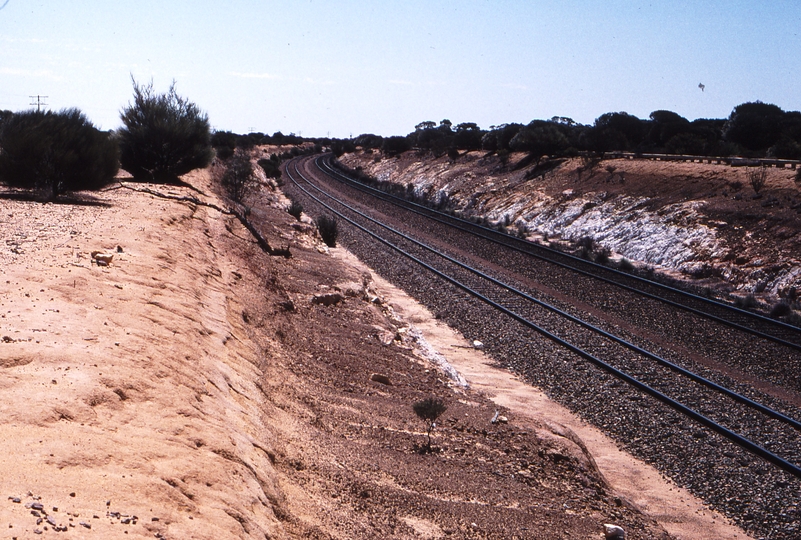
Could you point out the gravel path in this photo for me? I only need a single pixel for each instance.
(752, 492)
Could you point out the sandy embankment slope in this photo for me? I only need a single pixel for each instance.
(172, 386)
(131, 383)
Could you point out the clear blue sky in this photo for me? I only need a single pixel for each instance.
(343, 67)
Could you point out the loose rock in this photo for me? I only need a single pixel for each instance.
(328, 299)
(383, 379)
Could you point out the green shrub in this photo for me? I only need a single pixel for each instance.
(602, 257)
(429, 410)
(272, 166)
(54, 152)
(329, 230)
(238, 180)
(164, 135)
(295, 209)
(586, 245)
(746, 302)
(781, 309)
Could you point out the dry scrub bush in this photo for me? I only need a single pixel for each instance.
(429, 410)
(329, 230)
(757, 177)
(53, 152)
(238, 180)
(295, 209)
(164, 135)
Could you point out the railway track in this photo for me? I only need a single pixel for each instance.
(771, 435)
(739, 319)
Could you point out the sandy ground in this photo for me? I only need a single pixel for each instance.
(679, 512)
(192, 389)
(128, 398)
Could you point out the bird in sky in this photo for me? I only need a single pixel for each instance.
(701, 86)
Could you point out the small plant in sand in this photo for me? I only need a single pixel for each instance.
(329, 230)
(757, 177)
(429, 410)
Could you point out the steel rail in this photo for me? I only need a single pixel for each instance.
(507, 242)
(687, 411)
(767, 411)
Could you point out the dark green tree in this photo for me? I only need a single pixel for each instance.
(664, 126)
(164, 135)
(54, 152)
(394, 146)
(755, 126)
(540, 139)
(5, 115)
(468, 136)
(224, 143)
(368, 140)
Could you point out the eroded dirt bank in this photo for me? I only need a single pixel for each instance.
(698, 221)
(193, 389)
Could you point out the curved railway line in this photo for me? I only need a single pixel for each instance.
(736, 424)
(739, 319)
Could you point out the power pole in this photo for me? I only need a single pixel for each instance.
(39, 102)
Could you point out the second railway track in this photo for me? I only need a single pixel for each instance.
(772, 435)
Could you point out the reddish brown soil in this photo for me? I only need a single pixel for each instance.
(757, 236)
(194, 384)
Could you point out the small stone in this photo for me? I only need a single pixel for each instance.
(329, 299)
(503, 420)
(126, 521)
(383, 379)
(51, 520)
(119, 249)
(37, 506)
(477, 344)
(154, 519)
(72, 494)
(55, 509)
(37, 531)
(614, 532)
(84, 524)
(16, 500)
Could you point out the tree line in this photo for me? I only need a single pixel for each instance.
(753, 129)
(163, 136)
